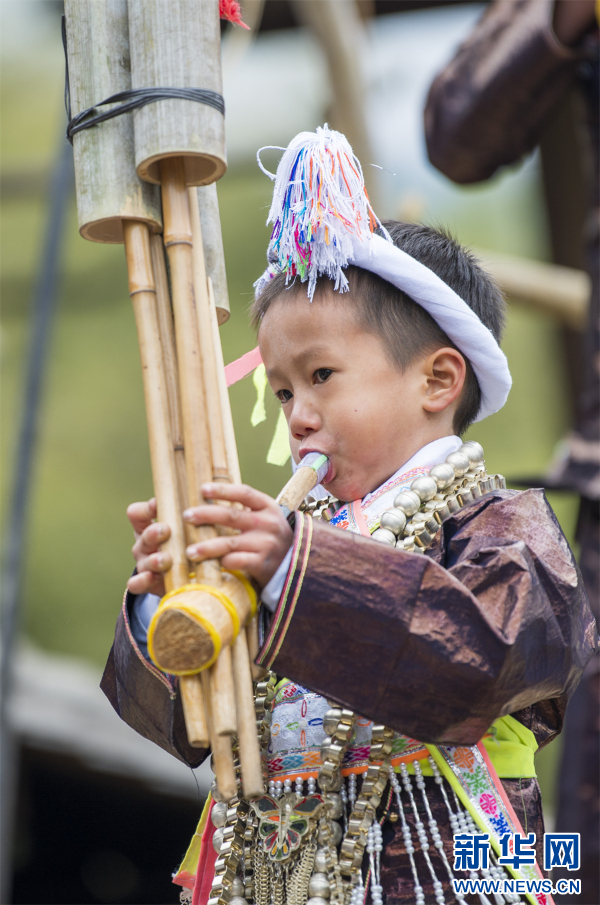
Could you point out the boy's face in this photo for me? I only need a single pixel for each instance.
(341, 395)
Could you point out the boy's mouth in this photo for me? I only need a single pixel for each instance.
(330, 473)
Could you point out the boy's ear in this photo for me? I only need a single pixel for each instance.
(445, 371)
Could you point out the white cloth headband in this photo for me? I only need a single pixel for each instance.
(304, 212)
(449, 311)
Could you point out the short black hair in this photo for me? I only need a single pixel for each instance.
(407, 331)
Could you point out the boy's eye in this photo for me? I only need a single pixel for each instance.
(284, 395)
(322, 374)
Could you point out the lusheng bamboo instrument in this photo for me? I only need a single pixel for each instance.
(205, 628)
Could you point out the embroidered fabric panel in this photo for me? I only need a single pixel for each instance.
(297, 734)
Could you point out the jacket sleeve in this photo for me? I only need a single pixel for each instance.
(437, 646)
(143, 696)
(487, 107)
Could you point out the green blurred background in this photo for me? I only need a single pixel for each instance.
(92, 457)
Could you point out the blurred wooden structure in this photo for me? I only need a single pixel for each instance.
(560, 292)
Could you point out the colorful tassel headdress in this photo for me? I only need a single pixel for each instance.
(320, 209)
(323, 221)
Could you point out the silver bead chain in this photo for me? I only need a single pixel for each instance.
(412, 523)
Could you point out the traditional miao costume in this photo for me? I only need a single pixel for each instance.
(424, 671)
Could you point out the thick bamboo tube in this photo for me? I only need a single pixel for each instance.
(177, 43)
(143, 296)
(108, 187)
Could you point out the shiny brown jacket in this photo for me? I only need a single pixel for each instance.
(492, 620)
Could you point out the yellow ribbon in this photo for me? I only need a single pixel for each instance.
(249, 588)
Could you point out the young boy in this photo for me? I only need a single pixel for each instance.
(466, 638)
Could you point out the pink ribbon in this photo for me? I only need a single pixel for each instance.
(243, 366)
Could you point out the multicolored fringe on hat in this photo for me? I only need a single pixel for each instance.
(320, 208)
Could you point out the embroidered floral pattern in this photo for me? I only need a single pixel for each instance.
(488, 807)
(464, 757)
(488, 803)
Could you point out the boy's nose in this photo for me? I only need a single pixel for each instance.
(304, 420)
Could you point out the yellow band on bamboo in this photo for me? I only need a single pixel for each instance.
(190, 611)
(251, 591)
(210, 629)
(169, 601)
(227, 603)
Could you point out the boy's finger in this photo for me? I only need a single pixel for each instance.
(141, 514)
(157, 562)
(240, 519)
(238, 493)
(242, 562)
(250, 541)
(155, 534)
(146, 583)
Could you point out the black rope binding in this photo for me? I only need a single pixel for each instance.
(129, 100)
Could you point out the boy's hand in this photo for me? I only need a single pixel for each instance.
(149, 561)
(265, 535)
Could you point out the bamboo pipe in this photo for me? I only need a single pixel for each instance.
(178, 242)
(190, 687)
(221, 749)
(236, 656)
(250, 760)
(142, 290)
(220, 464)
(167, 337)
(194, 711)
(233, 463)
